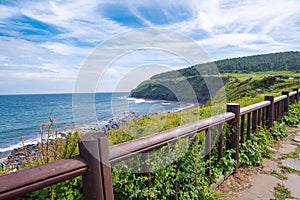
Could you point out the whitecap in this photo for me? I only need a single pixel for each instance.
(18, 145)
(139, 101)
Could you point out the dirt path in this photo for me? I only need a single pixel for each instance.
(282, 171)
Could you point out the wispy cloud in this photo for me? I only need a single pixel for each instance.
(256, 26)
(51, 39)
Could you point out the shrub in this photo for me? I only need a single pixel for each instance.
(54, 148)
(293, 118)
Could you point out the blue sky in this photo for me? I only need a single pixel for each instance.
(43, 44)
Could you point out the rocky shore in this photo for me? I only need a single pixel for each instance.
(113, 123)
(19, 156)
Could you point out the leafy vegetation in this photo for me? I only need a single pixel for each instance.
(254, 150)
(293, 117)
(182, 163)
(185, 164)
(54, 148)
(239, 89)
(251, 153)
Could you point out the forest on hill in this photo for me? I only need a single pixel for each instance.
(185, 84)
(259, 63)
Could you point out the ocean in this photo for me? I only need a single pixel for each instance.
(25, 113)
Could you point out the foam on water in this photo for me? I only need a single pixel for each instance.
(18, 145)
(25, 113)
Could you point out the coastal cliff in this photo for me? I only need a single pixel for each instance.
(193, 89)
(187, 83)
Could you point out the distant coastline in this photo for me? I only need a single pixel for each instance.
(63, 101)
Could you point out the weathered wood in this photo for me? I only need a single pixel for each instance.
(286, 102)
(263, 116)
(97, 182)
(28, 180)
(259, 116)
(292, 96)
(248, 126)
(280, 110)
(253, 107)
(270, 111)
(235, 136)
(276, 110)
(131, 148)
(254, 121)
(220, 141)
(242, 129)
(280, 98)
(297, 94)
(106, 168)
(94, 161)
(208, 151)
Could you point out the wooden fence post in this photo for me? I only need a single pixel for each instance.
(235, 124)
(286, 102)
(220, 141)
(208, 151)
(297, 95)
(97, 182)
(146, 169)
(270, 111)
(249, 126)
(254, 120)
(242, 129)
(263, 116)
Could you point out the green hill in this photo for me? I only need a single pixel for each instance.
(193, 89)
(187, 84)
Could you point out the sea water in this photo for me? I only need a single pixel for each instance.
(25, 113)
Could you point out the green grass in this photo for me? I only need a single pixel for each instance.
(281, 192)
(294, 154)
(239, 89)
(190, 167)
(279, 175)
(288, 169)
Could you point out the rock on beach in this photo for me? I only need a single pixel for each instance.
(113, 123)
(18, 156)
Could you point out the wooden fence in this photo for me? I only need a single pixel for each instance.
(96, 156)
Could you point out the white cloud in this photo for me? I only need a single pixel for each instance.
(224, 28)
(66, 49)
(27, 61)
(261, 26)
(7, 11)
(79, 19)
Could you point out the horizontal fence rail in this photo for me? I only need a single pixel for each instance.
(254, 107)
(280, 98)
(96, 156)
(32, 179)
(128, 149)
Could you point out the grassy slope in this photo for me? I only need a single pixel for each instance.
(185, 81)
(240, 88)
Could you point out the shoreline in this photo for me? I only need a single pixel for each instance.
(16, 155)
